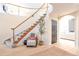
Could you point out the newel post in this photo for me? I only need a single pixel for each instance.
(13, 34)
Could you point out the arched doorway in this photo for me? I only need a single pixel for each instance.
(67, 31)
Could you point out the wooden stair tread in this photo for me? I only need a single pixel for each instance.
(26, 32)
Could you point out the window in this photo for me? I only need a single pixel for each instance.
(1, 8)
(71, 25)
(4, 8)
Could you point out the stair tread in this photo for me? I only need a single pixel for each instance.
(27, 31)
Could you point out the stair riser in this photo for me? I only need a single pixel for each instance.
(28, 30)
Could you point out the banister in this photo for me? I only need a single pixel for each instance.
(23, 22)
(29, 17)
(34, 25)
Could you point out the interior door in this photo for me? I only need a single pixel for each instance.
(54, 31)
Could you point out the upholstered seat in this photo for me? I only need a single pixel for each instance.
(31, 43)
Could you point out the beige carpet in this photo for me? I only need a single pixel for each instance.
(54, 51)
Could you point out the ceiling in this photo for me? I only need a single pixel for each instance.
(60, 9)
(29, 5)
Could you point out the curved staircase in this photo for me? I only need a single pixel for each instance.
(25, 32)
(28, 30)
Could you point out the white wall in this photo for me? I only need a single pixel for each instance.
(64, 28)
(77, 30)
(6, 23)
(48, 28)
(48, 32)
(9, 21)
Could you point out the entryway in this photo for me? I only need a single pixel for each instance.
(66, 31)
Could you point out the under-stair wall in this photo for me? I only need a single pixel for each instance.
(6, 23)
(9, 21)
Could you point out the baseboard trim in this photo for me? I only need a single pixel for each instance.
(67, 39)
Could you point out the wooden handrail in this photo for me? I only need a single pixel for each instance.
(34, 25)
(46, 10)
(23, 22)
(29, 17)
(29, 31)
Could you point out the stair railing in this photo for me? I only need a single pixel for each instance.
(13, 29)
(44, 15)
